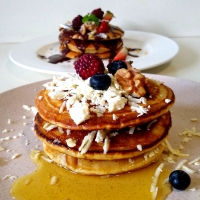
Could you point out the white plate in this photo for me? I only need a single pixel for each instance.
(156, 50)
(11, 102)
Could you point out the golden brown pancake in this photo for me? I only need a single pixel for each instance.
(88, 46)
(157, 94)
(123, 145)
(72, 54)
(103, 167)
(113, 34)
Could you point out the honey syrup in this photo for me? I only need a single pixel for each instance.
(50, 181)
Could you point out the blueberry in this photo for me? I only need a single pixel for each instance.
(115, 65)
(179, 179)
(100, 81)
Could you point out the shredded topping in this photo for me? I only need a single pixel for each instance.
(77, 95)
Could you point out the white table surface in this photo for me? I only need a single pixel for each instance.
(185, 65)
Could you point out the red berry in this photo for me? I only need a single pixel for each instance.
(77, 22)
(103, 27)
(88, 65)
(98, 12)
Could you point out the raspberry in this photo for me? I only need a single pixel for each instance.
(98, 12)
(88, 65)
(77, 22)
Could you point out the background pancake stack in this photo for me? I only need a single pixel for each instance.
(92, 33)
(107, 142)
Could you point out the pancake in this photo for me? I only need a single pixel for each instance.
(113, 33)
(122, 143)
(87, 46)
(72, 54)
(159, 99)
(103, 167)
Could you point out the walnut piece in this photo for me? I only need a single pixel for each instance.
(132, 81)
(90, 26)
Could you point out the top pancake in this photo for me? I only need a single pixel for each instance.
(159, 99)
(113, 33)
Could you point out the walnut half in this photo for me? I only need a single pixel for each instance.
(132, 81)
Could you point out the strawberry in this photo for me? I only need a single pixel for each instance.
(121, 55)
(103, 27)
(108, 16)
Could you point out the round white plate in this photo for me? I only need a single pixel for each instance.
(156, 50)
(11, 106)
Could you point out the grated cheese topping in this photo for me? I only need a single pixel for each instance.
(76, 93)
(154, 188)
(87, 141)
(71, 142)
(175, 151)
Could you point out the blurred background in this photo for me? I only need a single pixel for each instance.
(21, 20)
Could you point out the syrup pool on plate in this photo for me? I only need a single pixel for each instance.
(50, 181)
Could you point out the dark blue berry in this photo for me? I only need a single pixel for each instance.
(100, 81)
(115, 65)
(179, 179)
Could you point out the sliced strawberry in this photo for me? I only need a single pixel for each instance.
(108, 16)
(121, 55)
(103, 27)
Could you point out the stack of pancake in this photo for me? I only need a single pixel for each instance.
(111, 142)
(106, 45)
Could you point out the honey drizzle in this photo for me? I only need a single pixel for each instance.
(69, 186)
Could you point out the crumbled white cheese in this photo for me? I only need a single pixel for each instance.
(9, 121)
(68, 132)
(193, 189)
(54, 180)
(15, 156)
(188, 170)
(190, 132)
(100, 136)
(179, 166)
(106, 145)
(60, 129)
(48, 126)
(71, 142)
(186, 139)
(9, 177)
(5, 139)
(62, 107)
(130, 160)
(27, 181)
(167, 100)
(115, 117)
(79, 112)
(193, 119)
(139, 147)
(131, 130)
(45, 158)
(102, 35)
(173, 151)
(154, 188)
(5, 131)
(1, 148)
(169, 159)
(193, 161)
(40, 97)
(26, 107)
(149, 124)
(87, 141)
